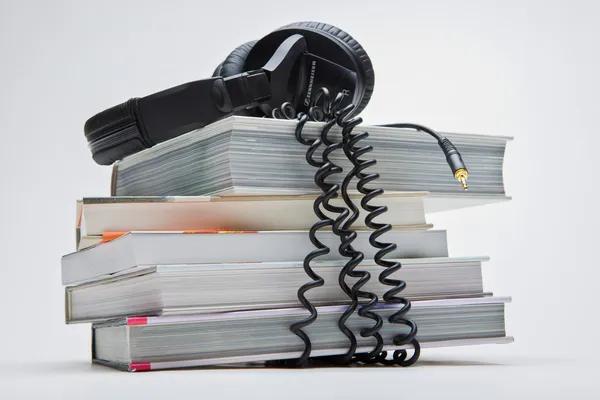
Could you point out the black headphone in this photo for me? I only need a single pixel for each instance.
(288, 65)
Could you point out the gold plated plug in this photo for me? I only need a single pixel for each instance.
(461, 176)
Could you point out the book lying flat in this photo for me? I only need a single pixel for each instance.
(149, 343)
(246, 155)
(205, 288)
(97, 216)
(162, 248)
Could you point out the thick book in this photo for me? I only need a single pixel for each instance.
(163, 248)
(246, 155)
(152, 343)
(207, 288)
(98, 218)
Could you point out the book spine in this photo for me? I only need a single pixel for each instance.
(93, 343)
(113, 180)
(68, 309)
(78, 217)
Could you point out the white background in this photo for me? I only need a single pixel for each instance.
(528, 69)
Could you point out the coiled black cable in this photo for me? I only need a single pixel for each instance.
(332, 115)
(288, 112)
(343, 222)
(353, 152)
(347, 249)
(325, 112)
(322, 109)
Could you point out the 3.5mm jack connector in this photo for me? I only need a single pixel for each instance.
(461, 176)
(455, 162)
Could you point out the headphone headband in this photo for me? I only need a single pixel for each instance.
(291, 73)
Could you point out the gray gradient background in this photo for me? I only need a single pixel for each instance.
(528, 69)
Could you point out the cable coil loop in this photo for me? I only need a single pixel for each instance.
(286, 111)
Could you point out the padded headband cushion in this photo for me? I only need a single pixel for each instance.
(357, 50)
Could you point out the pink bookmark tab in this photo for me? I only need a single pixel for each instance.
(139, 366)
(137, 321)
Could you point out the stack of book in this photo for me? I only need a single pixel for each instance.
(197, 256)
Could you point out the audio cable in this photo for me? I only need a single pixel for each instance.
(324, 114)
(286, 111)
(327, 113)
(453, 157)
(341, 226)
(354, 152)
(347, 249)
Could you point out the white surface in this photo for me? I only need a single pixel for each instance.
(446, 375)
(528, 69)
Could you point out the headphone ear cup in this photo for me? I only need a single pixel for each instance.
(218, 70)
(234, 64)
(358, 52)
(235, 61)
